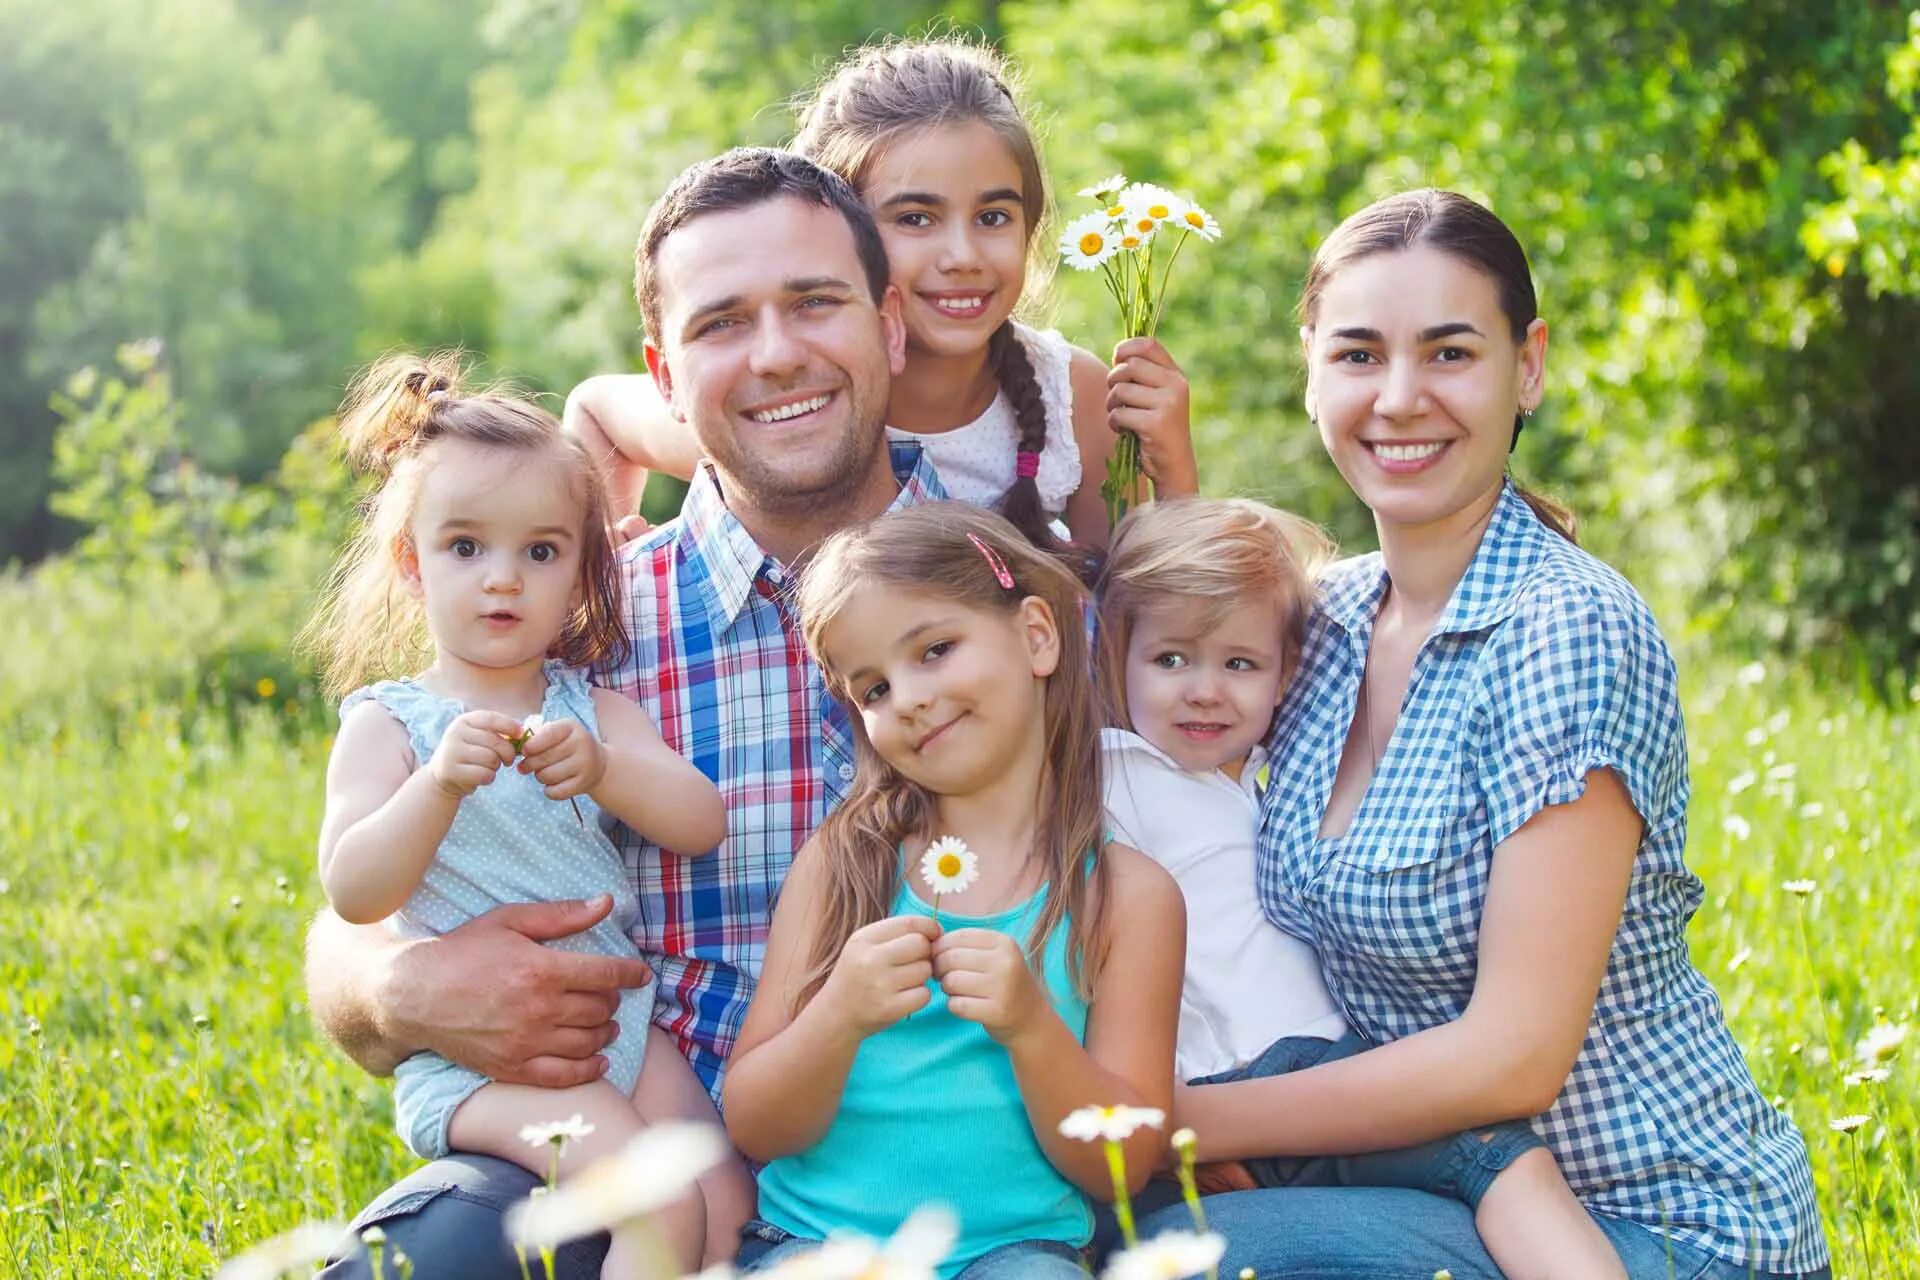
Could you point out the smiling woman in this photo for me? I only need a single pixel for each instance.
(1477, 813)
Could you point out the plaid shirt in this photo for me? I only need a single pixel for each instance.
(1545, 665)
(719, 664)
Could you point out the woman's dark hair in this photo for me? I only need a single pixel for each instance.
(1460, 228)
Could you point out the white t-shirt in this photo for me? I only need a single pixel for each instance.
(1248, 982)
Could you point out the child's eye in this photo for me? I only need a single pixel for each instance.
(938, 649)
(542, 552)
(915, 220)
(873, 693)
(464, 548)
(996, 218)
(1242, 664)
(1170, 661)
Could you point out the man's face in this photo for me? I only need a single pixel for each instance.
(774, 352)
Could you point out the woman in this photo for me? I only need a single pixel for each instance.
(1477, 812)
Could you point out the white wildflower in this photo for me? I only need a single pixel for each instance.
(296, 1250)
(649, 1173)
(1167, 1256)
(1109, 1124)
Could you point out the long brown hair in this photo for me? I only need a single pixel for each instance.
(366, 624)
(927, 550)
(1462, 229)
(1212, 555)
(884, 94)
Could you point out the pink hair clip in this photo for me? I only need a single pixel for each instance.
(994, 562)
(1026, 464)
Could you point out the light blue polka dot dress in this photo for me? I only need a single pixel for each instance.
(508, 843)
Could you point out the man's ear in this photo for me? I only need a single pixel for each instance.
(1043, 636)
(406, 559)
(662, 378)
(893, 329)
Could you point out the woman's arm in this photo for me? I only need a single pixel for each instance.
(650, 786)
(788, 1067)
(1553, 904)
(629, 430)
(1127, 1059)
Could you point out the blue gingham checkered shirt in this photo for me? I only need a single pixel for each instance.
(1545, 665)
(719, 664)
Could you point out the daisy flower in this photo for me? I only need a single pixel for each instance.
(1105, 188)
(1848, 1124)
(646, 1175)
(948, 866)
(1110, 1124)
(1198, 221)
(1148, 207)
(1881, 1043)
(528, 727)
(1799, 888)
(570, 1130)
(1088, 241)
(1167, 1256)
(296, 1250)
(914, 1252)
(1133, 240)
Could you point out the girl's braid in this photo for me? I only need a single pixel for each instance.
(1022, 506)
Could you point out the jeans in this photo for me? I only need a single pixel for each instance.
(1389, 1233)
(447, 1217)
(763, 1245)
(1461, 1167)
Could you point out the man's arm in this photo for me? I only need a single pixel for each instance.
(486, 995)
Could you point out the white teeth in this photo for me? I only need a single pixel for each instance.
(793, 410)
(1408, 452)
(960, 305)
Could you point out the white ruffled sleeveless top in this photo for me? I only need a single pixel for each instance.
(976, 462)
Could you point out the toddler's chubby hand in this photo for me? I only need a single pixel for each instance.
(1147, 394)
(567, 759)
(472, 751)
(987, 980)
(882, 974)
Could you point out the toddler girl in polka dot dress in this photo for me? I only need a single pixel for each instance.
(484, 557)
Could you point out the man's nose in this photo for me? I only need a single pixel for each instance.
(777, 350)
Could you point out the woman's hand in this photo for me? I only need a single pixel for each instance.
(565, 757)
(987, 980)
(472, 751)
(882, 973)
(1147, 394)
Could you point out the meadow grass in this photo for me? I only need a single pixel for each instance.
(166, 1102)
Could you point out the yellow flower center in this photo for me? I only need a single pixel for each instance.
(1194, 219)
(1144, 225)
(1130, 242)
(1092, 242)
(1159, 210)
(1115, 211)
(948, 865)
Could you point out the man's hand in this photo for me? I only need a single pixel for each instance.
(488, 996)
(627, 528)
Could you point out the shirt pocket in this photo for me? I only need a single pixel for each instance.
(1405, 892)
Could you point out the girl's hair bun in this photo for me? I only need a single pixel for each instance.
(391, 408)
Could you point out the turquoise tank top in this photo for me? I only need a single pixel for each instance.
(931, 1114)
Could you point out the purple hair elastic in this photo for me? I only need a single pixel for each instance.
(1026, 464)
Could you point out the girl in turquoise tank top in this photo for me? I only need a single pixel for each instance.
(904, 1049)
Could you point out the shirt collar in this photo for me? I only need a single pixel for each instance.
(1126, 740)
(1485, 595)
(713, 537)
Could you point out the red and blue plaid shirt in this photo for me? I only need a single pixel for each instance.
(719, 664)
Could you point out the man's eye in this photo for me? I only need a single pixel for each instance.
(1170, 661)
(464, 548)
(542, 552)
(714, 326)
(815, 302)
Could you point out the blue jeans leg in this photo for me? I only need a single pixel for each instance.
(1038, 1259)
(449, 1218)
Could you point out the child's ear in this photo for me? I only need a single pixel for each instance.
(406, 558)
(1043, 636)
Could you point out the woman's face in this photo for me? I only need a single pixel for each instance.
(1414, 378)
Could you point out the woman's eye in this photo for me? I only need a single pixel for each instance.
(542, 552)
(1451, 355)
(464, 548)
(1170, 661)
(1354, 357)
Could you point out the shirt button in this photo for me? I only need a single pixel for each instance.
(846, 773)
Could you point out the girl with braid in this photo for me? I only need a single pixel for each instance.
(1014, 418)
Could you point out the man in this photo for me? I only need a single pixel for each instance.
(773, 333)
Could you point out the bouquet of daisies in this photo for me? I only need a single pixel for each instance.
(1136, 224)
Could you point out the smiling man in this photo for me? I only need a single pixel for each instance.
(773, 334)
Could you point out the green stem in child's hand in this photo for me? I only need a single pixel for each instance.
(1122, 1203)
(1160, 294)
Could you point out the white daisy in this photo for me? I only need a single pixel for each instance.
(1088, 241)
(1149, 207)
(1169, 1255)
(1799, 888)
(948, 866)
(1104, 189)
(569, 1130)
(655, 1169)
(1881, 1042)
(914, 1252)
(296, 1250)
(1131, 240)
(1848, 1124)
(1110, 1124)
(1197, 220)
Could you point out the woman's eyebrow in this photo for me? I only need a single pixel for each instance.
(1439, 331)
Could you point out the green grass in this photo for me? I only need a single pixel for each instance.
(165, 1102)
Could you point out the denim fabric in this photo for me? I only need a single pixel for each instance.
(763, 1245)
(447, 1216)
(1389, 1233)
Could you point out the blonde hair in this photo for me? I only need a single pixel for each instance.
(927, 550)
(887, 92)
(366, 624)
(1221, 553)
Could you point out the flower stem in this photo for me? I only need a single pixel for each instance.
(1122, 1202)
(1190, 1192)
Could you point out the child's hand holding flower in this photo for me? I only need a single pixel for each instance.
(1147, 394)
(567, 759)
(987, 980)
(474, 747)
(882, 974)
